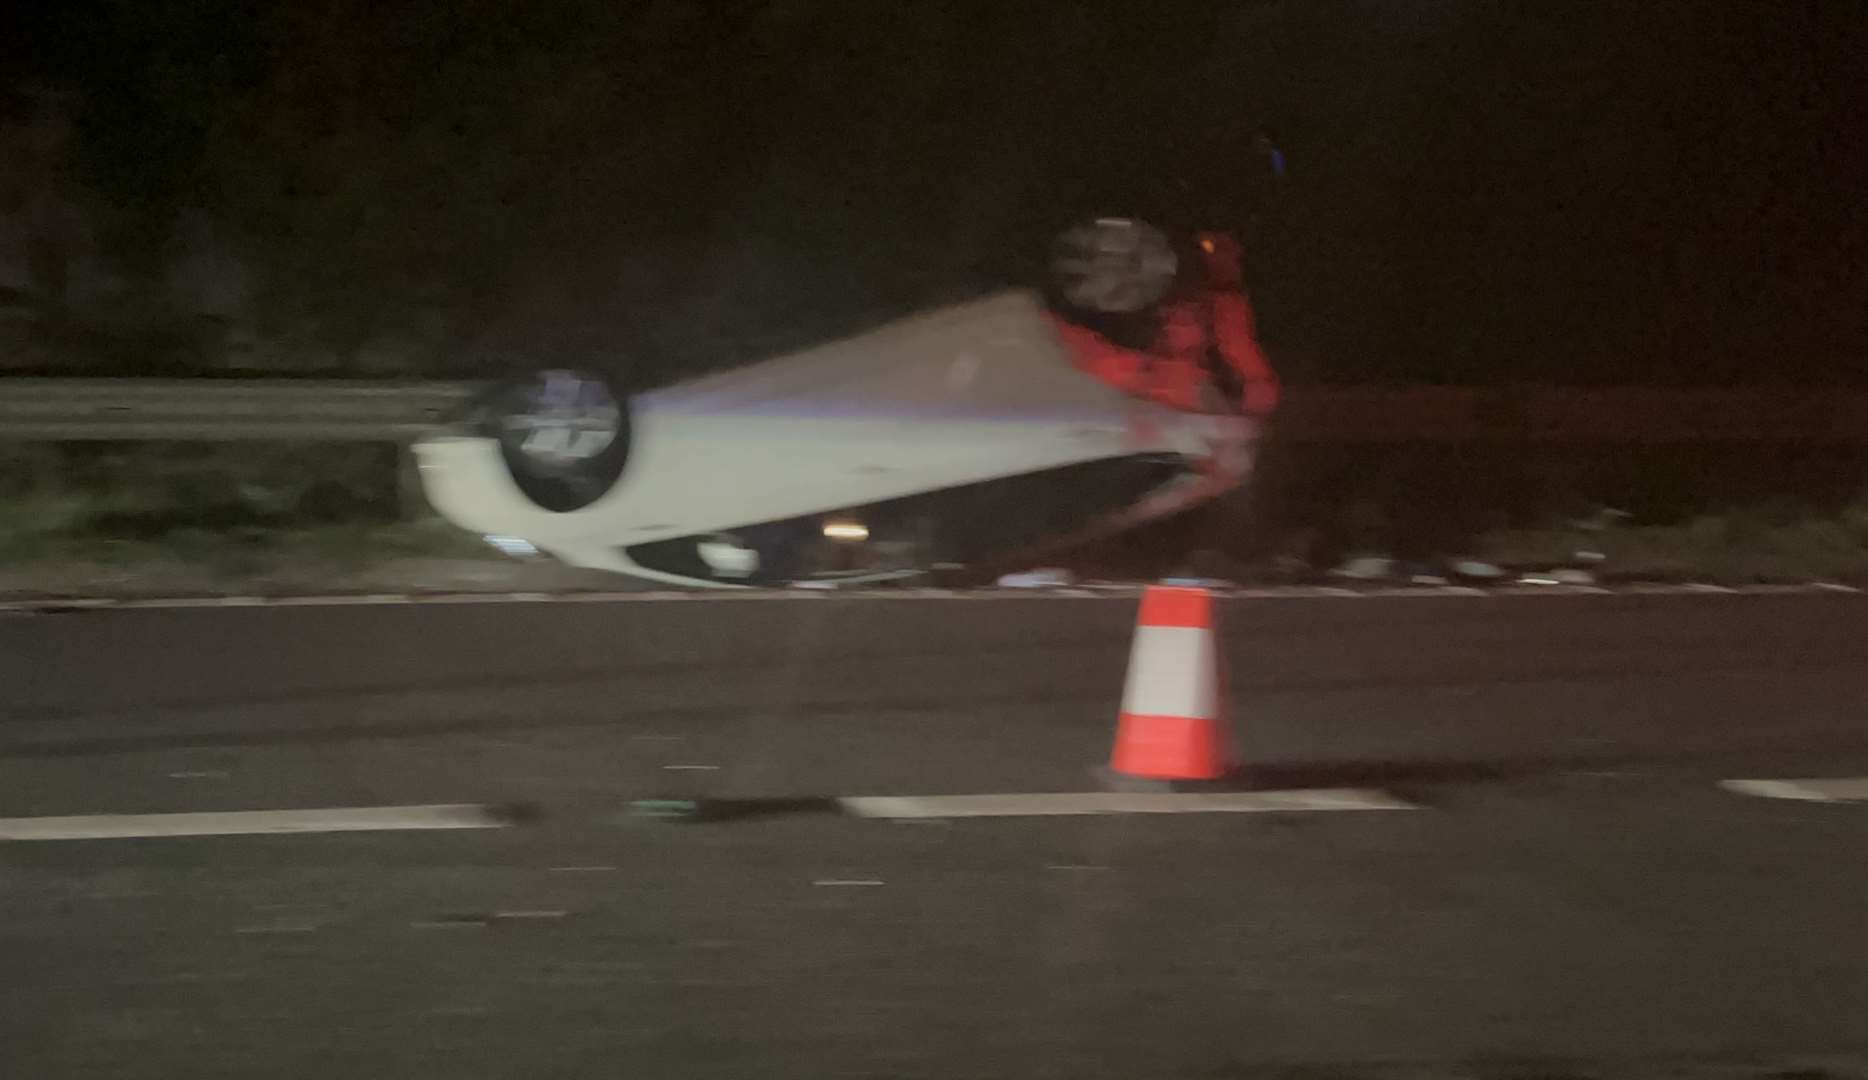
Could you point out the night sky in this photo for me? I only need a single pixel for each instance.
(1477, 191)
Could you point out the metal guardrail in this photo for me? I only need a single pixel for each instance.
(211, 410)
(1620, 414)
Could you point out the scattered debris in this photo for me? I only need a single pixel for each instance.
(1365, 568)
(1477, 570)
(1560, 576)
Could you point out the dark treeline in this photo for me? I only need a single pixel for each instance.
(1478, 190)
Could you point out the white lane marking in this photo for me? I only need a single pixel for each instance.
(1274, 593)
(199, 774)
(848, 883)
(1108, 802)
(538, 913)
(691, 768)
(580, 869)
(190, 602)
(1092, 591)
(252, 822)
(1841, 789)
(362, 600)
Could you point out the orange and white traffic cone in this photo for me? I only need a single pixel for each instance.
(1173, 725)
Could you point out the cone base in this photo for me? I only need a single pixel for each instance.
(1110, 780)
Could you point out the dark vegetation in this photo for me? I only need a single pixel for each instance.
(1478, 191)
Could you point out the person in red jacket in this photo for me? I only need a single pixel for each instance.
(1205, 358)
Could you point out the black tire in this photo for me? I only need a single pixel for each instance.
(564, 436)
(1112, 267)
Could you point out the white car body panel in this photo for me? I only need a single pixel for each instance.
(965, 394)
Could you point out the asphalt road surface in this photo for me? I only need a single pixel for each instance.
(1573, 894)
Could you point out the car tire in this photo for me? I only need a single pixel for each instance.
(1112, 267)
(564, 436)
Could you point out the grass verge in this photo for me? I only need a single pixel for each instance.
(225, 510)
(1750, 545)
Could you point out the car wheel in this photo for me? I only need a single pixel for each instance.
(564, 436)
(1112, 266)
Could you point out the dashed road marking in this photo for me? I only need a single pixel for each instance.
(179, 602)
(1091, 592)
(848, 883)
(1108, 802)
(909, 808)
(1840, 789)
(253, 822)
(32, 607)
(363, 600)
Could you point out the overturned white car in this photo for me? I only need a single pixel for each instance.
(967, 437)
